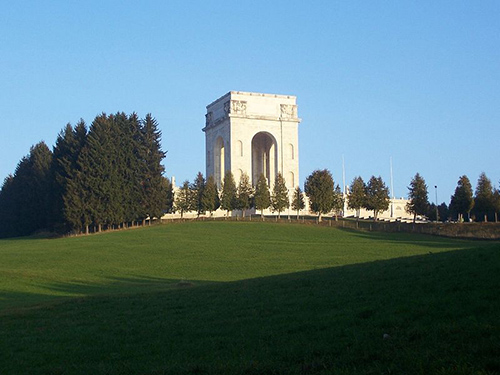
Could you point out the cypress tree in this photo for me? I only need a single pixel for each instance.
(279, 197)
(245, 192)
(184, 201)
(418, 198)
(462, 201)
(210, 196)
(198, 188)
(262, 198)
(229, 194)
(357, 195)
(298, 201)
(484, 201)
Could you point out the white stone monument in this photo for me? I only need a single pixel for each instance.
(253, 133)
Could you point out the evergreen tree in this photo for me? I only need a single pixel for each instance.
(62, 169)
(155, 196)
(418, 198)
(169, 191)
(8, 211)
(262, 198)
(245, 192)
(319, 187)
(484, 201)
(496, 199)
(184, 200)
(25, 197)
(338, 201)
(377, 196)
(462, 201)
(229, 194)
(198, 188)
(298, 201)
(210, 196)
(357, 195)
(279, 197)
(68, 195)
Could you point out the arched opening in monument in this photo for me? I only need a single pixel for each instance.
(219, 159)
(264, 157)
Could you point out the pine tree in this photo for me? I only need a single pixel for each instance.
(484, 205)
(418, 197)
(170, 198)
(298, 201)
(26, 195)
(62, 170)
(210, 196)
(462, 201)
(245, 192)
(319, 187)
(184, 200)
(198, 188)
(357, 195)
(8, 210)
(279, 197)
(377, 196)
(154, 198)
(262, 198)
(229, 194)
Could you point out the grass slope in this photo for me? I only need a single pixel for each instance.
(265, 298)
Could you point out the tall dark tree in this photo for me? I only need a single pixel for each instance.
(8, 210)
(418, 203)
(357, 195)
(198, 188)
(484, 201)
(462, 201)
(279, 196)
(210, 196)
(169, 189)
(245, 193)
(298, 201)
(229, 198)
(25, 197)
(377, 196)
(154, 194)
(319, 187)
(262, 198)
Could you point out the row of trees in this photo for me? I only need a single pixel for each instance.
(108, 175)
(202, 195)
(483, 205)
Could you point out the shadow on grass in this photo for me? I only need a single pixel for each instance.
(437, 312)
(423, 239)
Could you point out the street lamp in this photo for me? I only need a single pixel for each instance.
(437, 214)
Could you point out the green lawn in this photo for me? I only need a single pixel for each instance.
(249, 298)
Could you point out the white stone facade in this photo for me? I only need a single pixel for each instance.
(253, 133)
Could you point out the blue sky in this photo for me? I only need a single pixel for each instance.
(415, 81)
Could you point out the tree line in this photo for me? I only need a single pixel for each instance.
(465, 205)
(110, 175)
(106, 176)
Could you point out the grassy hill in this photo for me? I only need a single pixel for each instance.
(249, 298)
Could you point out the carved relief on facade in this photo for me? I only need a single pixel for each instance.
(208, 118)
(288, 111)
(226, 108)
(238, 107)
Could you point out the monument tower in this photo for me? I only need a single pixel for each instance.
(253, 133)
